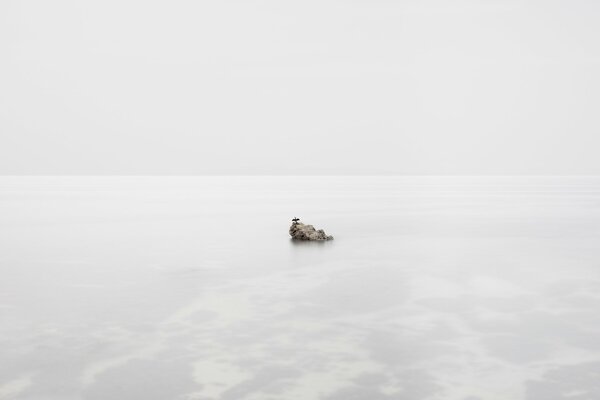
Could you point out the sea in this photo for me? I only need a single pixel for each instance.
(190, 288)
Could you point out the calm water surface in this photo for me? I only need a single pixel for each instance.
(190, 288)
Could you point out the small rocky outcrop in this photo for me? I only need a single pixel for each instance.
(300, 231)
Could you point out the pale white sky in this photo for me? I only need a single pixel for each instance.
(303, 87)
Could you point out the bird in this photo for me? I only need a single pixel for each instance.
(295, 219)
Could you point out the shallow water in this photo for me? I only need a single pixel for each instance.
(189, 288)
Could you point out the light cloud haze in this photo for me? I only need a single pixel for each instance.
(311, 87)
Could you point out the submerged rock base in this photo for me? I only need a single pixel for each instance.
(301, 231)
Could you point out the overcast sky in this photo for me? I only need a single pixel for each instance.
(299, 87)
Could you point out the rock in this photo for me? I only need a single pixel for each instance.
(300, 231)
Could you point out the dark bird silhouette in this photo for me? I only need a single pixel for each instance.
(296, 219)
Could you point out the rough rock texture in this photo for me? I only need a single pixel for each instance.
(300, 231)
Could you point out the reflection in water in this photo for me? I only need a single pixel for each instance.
(190, 288)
